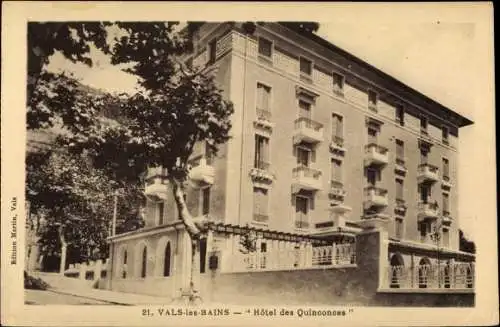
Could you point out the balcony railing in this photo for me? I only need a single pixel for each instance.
(306, 172)
(297, 258)
(336, 185)
(427, 173)
(376, 154)
(428, 206)
(202, 170)
(373, 190)
(400, 162)
(378, 148)
(338, 140)
(446, 178)
(307, 123)
(444, 276)
(263, 114)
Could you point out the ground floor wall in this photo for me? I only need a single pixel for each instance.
(355, 283)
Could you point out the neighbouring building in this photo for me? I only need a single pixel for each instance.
(341, 172)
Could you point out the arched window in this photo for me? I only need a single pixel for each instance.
(397, 265)
(144, 262)
(166, 261)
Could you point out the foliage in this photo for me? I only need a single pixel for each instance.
(75, 199)
(464, 244)
(248, 242)
(302, 27)
(33, 283)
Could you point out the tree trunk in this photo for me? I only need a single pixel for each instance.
(64, 246)
(187, 219)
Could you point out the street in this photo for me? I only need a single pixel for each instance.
(48, 297)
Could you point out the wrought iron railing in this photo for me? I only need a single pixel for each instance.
(307, 123)
(261, 218)
(380, 149)
(338, 140)
(263, 114)
(432, 168)
(307, 172)
(378, 191)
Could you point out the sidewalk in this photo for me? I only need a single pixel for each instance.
(113, 297)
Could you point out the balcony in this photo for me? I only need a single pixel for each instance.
(337, 144)
(374, 220)
(260, 173)
(376, 155)
(337, 192)
(400, 166)
(301, 224)
(156, 186)
(264, 119)
(427, 211)
(375, 197)
(446, 182)
(446, 218)
(400, 207)
(307, 130)
(306, 178)
(427, 173)
(202, 172)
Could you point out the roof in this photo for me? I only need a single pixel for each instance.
(461, 120)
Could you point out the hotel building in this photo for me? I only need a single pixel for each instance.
(324, 148)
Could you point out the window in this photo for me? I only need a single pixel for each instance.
(446, 237)
(372, 99)
(423, 156)
(425, 192)
(205, 198)
(305, 66)
(399, 228)
(203, 255)
(400, 115)
(372, 176)
(265, 47)
(301, 212)
(445, 135)
(261, 152)
(338, 81)
(446, 203)
(263, 97)
(260, 204)
(372, 135)
(337, 125)
(305, 109)
(400, 151)
(423, 125)
(144, 262)
(424, 228)
(166, 260)
(212, 51)
(446, 169)
(399, 189)
(336, 173)
(303, 156)
(160, 208)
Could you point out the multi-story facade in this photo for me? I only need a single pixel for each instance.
(324, 147)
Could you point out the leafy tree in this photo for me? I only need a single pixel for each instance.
(159, 126)
(464, 244)
(302, 27)
(73, 200)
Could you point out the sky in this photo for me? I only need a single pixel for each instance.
(437, 58)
